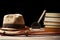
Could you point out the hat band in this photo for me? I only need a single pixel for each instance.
(16, 26)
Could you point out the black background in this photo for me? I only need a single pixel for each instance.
(31, 10)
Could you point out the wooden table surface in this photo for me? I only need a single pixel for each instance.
(40, 32)
(34, 35)
(30, 38)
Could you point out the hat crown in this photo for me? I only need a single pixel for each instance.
(13, 21)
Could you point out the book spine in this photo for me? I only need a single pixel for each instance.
(52, 19)
(51, 23)
(52, 26)
(53, 14)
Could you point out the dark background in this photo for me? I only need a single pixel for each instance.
(31, 10)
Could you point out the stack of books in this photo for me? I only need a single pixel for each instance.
(52, 22)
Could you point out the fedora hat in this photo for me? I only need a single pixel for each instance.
(13, 23)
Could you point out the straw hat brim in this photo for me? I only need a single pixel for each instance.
(9, 29)
(12, 32)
